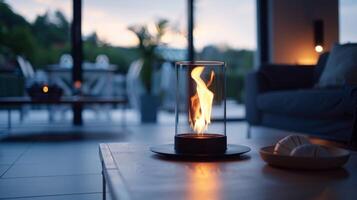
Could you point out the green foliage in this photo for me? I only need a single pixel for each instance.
(49, 33)
(20, 40)
(10, 19)
(41, 42)
(13, 27)
(48, 37)
(148, 42)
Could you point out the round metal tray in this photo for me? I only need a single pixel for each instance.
(168, 150)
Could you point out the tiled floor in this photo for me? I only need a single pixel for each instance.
(50, 170)
(58, 161)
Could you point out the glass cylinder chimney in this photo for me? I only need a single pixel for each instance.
(200, 123)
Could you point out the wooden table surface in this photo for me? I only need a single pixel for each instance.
(131, 171)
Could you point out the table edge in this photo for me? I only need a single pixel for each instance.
(113, 178)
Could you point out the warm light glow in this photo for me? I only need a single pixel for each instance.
(319, 48)
(204, 181)
(306, 61)
(77, 84)
(201, 102)
(45, 89)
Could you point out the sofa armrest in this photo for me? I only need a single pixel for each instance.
(287, 77)
(255, 83)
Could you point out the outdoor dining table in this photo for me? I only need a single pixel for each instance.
(95, 79)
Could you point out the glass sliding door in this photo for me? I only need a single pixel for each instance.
(348, 23)
(34, 35)
(226, 30)
(110, 32)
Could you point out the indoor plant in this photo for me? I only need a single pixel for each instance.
(149, 40)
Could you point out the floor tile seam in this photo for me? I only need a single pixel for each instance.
(25, 177)
(13, 163)
(52, 195)
(8, 166)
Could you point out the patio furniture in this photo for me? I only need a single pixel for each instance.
(66, 61)
(92, 77)
(96, 81)
(29, 72)
(131, 171)
(26, 69)
(134, 86)
(102, 61)
(19, 101)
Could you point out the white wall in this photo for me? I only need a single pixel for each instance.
(291, 29)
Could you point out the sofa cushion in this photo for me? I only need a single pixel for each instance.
(341, 67)
(315, 103)
(320, 66)
(279, 77)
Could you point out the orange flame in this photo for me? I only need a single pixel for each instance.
(201, 102)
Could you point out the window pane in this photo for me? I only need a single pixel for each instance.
(43, 28)
(348, 23)
(226, 30)
(33, 36)
(109, 28)
(109, 21)
(229, 23)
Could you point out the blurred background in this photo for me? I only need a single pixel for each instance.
(38, 33)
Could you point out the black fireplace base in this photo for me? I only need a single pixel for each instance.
(168, 150)
(193, 143)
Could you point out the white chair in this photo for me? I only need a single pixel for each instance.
(66, 61)
(29, 75)
(102, 61)
(26, 68)
(29, 72)
(134, 86)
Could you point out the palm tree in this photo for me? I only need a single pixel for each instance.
(148, 42)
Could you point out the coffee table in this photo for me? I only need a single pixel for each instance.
(131, 171)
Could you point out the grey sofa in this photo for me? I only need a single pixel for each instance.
(284, 97)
